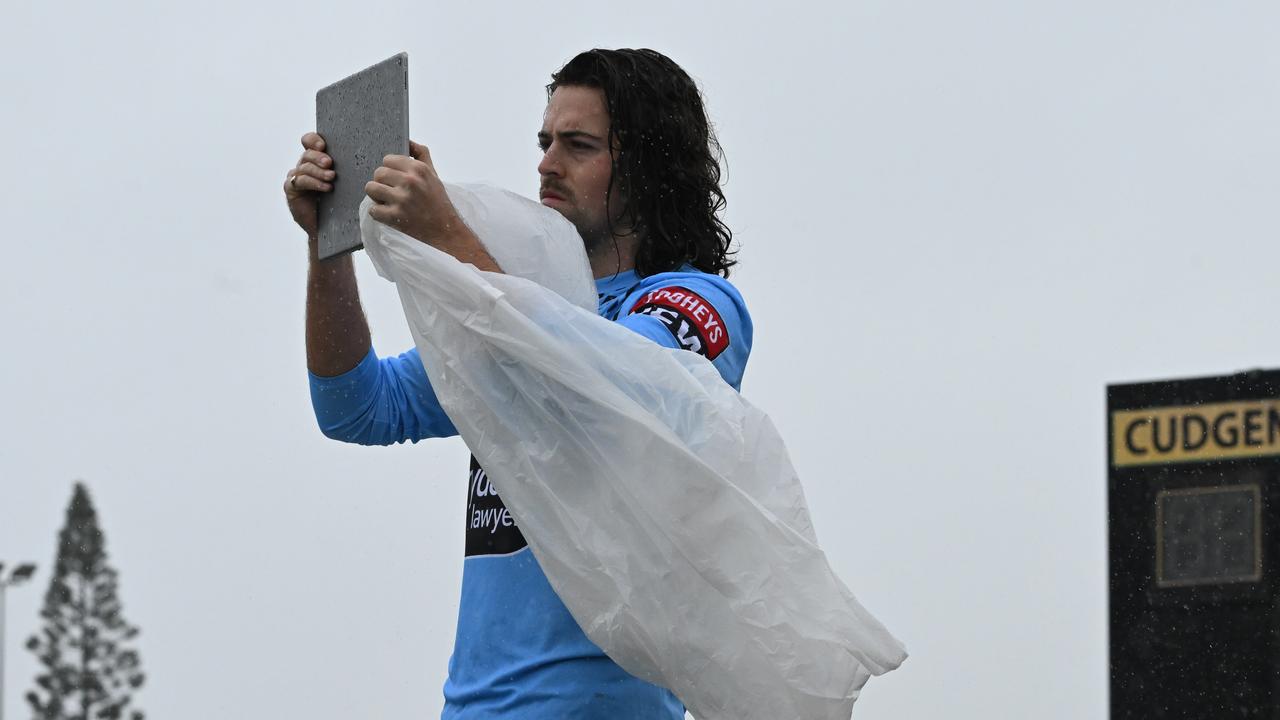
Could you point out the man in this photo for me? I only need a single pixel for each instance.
(629, 158)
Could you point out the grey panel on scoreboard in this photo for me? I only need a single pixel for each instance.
(1209, 535)
(362, 119)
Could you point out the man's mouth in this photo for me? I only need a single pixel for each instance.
(550, 195)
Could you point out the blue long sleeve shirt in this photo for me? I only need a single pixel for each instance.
(518, 652)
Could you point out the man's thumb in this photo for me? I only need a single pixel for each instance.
(419, 152)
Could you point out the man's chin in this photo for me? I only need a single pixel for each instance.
(592, 238)
(566, 212)
(562, 207)
(596, 242)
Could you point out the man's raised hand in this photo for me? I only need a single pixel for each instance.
(313, 174)
(408, 196)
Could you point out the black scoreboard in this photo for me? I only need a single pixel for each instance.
(1192, 504)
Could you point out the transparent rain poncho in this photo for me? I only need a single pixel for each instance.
(661, 505)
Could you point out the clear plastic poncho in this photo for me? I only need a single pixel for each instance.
(661, 505)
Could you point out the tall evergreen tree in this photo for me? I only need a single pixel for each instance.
(90, 673)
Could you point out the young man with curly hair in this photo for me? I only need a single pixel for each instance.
(630, 159)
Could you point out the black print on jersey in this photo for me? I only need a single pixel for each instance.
(693, 322)
(490, 528)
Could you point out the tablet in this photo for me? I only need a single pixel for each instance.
(362, 119)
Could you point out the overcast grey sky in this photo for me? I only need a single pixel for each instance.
(958, 222)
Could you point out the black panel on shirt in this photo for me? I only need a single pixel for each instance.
(490, 528)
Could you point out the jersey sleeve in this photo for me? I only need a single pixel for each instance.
(380, 402)
(693, 311)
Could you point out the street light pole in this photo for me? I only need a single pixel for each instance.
(2, 587)
(19, 575)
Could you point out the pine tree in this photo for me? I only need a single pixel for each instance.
(90, 673)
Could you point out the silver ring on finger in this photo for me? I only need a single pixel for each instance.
(293, 181)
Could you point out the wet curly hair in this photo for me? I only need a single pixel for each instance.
(667, 162)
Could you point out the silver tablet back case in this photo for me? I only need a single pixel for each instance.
(362, 119)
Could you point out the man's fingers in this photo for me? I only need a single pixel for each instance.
(390, 177)
(316, 157)
(382, 214)
(382, 194)
(386, 214)
(403, 163)
(314, 171)
(298, 182)
(419, 152)
(313, 141)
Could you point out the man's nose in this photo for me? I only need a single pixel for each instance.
(549, 165)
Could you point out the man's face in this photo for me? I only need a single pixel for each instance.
(576, 167)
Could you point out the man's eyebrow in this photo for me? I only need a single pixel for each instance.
(544, 135)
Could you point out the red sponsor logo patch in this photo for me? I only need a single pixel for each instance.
(692, 320)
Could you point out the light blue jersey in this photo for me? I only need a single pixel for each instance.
(518, 653)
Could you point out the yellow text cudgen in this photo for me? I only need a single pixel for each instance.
(1190, 433)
